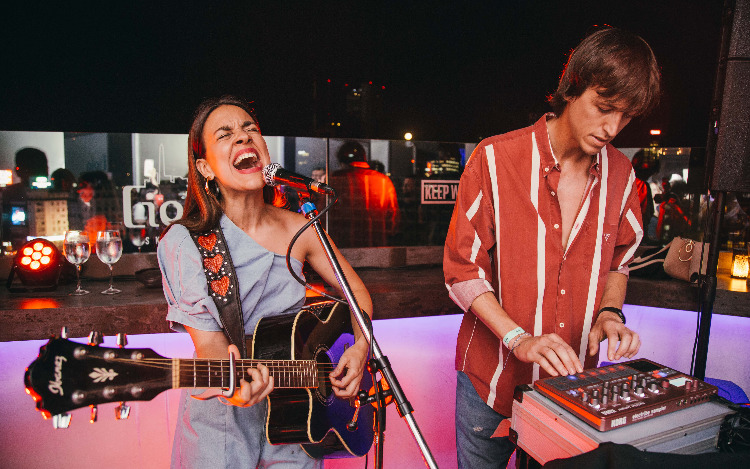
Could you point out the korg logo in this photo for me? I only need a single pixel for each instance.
(619, 421)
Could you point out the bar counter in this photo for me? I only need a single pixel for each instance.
(403, 282)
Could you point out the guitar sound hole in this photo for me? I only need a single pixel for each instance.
(324, 391)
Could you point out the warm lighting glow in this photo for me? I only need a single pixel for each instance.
(38, 303)
(655, 132)
(6, 177)
(740, 265)
(408, 136)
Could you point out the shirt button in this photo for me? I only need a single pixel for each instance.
(562, 292)
(546, 170)
(557, 227)
(562, 324)
(552, 192)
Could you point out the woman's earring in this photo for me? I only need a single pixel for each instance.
(208, 189)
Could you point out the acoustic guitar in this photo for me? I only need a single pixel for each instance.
(299, 349)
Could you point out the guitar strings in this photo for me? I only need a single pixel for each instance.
(218, 365)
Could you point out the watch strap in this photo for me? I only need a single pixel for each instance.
(612, 309)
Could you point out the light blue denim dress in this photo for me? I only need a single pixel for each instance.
(210, 434)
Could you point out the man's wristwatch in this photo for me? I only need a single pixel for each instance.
(612, 309)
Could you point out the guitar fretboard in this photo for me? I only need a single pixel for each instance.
(210, 373)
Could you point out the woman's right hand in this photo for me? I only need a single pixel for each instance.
(552, 353)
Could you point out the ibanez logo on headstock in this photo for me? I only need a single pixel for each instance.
(55, 386)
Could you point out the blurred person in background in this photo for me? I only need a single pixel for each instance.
(367, 212)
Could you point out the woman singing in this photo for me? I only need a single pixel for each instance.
(226, 153)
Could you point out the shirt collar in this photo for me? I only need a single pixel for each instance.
(548, 159)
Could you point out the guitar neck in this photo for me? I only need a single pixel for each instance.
(215, 373)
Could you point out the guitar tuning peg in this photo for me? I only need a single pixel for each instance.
(94, 413)
(61, 420)
(64, 332)
(122, 411)
(95, 338)
(122, 339)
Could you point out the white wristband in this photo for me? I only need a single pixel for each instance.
(510, 335)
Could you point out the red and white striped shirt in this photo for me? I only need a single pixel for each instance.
(505, 236)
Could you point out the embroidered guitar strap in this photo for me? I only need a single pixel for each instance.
(222, 284)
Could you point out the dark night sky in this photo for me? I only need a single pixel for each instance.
(452, 73)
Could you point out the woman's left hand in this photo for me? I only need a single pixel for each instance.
(353, 360)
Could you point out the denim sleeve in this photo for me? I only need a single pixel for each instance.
(184, 283)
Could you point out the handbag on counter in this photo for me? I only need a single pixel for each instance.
(683, 259)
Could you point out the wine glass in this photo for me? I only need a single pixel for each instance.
(138, 237)
(109, 250)
(77, 250)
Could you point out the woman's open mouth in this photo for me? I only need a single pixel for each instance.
(246, 160)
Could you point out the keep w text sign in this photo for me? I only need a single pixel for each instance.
(439, 192)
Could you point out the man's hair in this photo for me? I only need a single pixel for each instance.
(619, 65)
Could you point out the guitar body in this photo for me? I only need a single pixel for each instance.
(314, 417)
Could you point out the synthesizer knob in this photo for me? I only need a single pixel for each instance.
(594, 401)
(615, 398)
(653, 387)
(643, 382)
(639, 390)
(585, 396)
(615, 389)
(688, 385)
(595, 393)
(625, 393)
(605, 400)
(665, 384)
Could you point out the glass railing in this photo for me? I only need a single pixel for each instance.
(390, 192)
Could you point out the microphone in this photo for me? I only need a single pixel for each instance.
(274, 174)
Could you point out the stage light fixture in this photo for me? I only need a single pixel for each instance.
(37, 264)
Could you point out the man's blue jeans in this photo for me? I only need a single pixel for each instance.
(475, 424)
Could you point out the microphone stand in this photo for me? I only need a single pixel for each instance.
(708, 287)
(378, 362)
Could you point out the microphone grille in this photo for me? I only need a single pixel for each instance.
(269, 173)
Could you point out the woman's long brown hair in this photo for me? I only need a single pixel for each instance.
(203, 209)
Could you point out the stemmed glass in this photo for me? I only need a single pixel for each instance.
(109, 250)
(77, 250)
(138, 237)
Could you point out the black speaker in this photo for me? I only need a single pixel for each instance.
(731, 162)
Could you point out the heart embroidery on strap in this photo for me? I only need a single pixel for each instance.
(213, 263)
(220, 286)
(207, 242)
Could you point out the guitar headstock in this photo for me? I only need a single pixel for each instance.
(68, 375)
